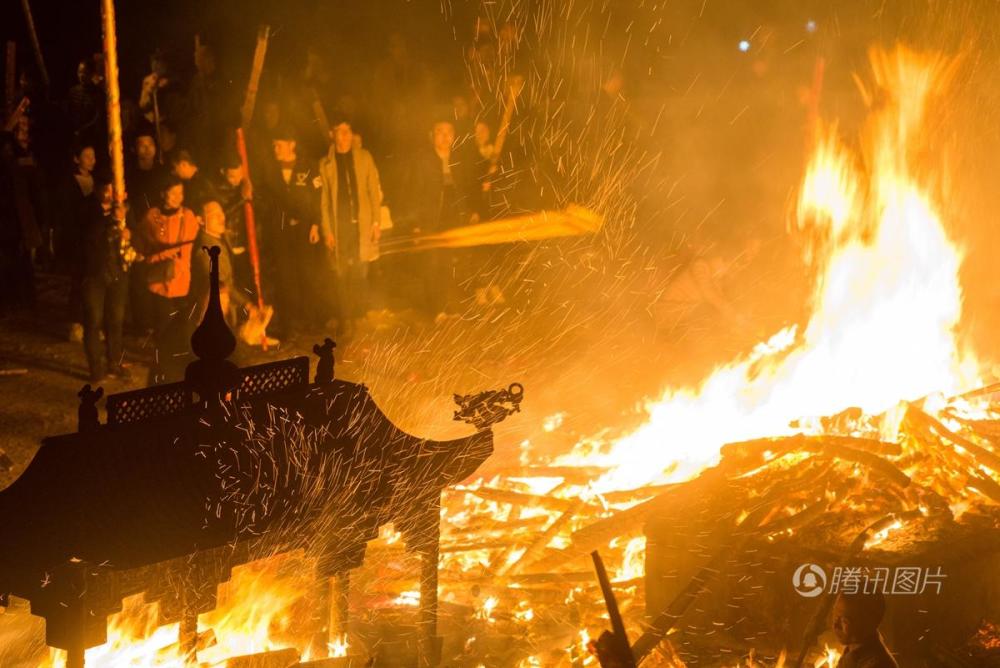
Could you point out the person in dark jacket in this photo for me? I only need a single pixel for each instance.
(22, 216)
(144, 178)
(196, 187)
(856, 618)
(16, 270)
(291, 189)
(105, 284)
(446, 194)
(443, 183)
(85, 102)
(76, 201)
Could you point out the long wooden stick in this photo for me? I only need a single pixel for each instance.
(246, 115)
(113, 101)
(156, 122)
(513, 91)
(35, 44)
(250, 101)
(622, 651)
(241, 147)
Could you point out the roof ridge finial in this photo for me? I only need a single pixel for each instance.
(212, 374)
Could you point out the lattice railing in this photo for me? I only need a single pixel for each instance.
(146, 404)
(274, 376)
(165, 400)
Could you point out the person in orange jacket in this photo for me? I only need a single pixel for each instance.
(167, 234)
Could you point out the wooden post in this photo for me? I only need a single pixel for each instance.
(322, 616)
(75, 657)
(113, 101)
(340, 608)
(35, 44)
(331, 612)
(187, 635)
(428, 642)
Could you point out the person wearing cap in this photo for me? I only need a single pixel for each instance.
(290, 192)
(351, 205)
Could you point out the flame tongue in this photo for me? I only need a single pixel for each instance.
(886, 300)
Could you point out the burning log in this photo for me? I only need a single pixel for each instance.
(797, 520)
(523, 499)
(597, 535)
(335, 662)
(574, 474)
(755, 449)
(539, 544)
(282, 658)
(487, 527)
(873, 462)
(626, 522)
(749, 455)
(668, 618)
(985, 484)
(451, 548)
(981, 455)
(638, 494)
(988, 430)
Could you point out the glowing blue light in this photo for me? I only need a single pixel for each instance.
(744, 45)
(810, 26)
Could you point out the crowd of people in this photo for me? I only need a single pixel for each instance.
(320, 200)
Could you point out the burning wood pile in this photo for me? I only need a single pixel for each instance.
(516, 561)
(703, 539)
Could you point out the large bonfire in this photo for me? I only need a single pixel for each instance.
(879, 354)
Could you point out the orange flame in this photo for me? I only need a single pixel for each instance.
(886, 300)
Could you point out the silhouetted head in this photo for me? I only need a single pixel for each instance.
(185, 165)
(231, 167)
(856, 617)
(145, 147)
(85, 158)
(443, 135)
